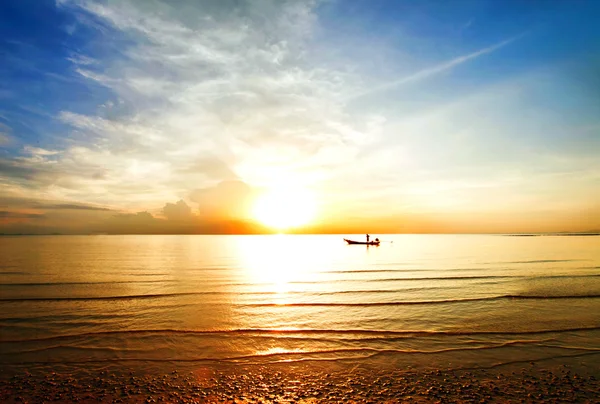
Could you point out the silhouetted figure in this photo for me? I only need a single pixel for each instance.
(377, 240)
(368, 238)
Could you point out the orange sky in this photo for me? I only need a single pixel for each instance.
(228, 209)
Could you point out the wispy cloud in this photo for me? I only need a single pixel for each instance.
(83, 60)
(467, 25)
(5, 137)
(38, 151)
(5, 214)
(438, 69)
(72, 206)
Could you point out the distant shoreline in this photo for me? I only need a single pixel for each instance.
(551, 234)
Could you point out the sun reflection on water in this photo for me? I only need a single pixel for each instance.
(276, 264)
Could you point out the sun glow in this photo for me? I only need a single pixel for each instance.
(284, 208)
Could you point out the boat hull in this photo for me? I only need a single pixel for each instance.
(361, 242)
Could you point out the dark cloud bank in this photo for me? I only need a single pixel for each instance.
(222, 209)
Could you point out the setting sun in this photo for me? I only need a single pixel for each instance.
(283, 209)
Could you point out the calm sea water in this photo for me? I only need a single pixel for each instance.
(84, 303)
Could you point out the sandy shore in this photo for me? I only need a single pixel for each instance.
(308, 383)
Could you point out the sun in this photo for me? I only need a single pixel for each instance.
(285, 208)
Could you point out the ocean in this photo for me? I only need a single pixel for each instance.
(83, 304)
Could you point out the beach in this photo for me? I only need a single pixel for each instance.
(312, 383)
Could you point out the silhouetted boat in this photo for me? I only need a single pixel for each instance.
(362, 242)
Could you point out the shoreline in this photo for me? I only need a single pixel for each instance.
(310, 383)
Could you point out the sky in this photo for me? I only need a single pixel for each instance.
(381, 116)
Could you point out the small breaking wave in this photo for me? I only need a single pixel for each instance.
(358, 333)
(301, 304)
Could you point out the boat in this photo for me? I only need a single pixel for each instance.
(362, 242)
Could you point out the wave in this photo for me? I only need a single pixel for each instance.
(414, 269)
(87, 283)
(383, 271)
(300, 304)
(564, 276)
(48, 274)
(137, 274)
(443, 278)
(368, 350)
(123, 297)
(291, 332)
(419, 302)
(531, 277)
(241, 293)
(539, 261)
(361, 353)
(515, 362)
(439, 278)
(63, 318)
(171, 281)
(63, 347)
(551, 297)
(374, 291)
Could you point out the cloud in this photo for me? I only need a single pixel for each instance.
(225, 201)
(467, 25)
(5, 137)
(19, 169)
(177, 212)
(82, 60)
(70, 206)
(221, 209)
(68, 172)
(5, 214)
(237, 86)
(131, 223)
(434, 70)
(38, 151)
(200, 95)
(18, 201)
(146, 223)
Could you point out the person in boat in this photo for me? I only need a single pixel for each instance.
(377, 240)
(368, 238)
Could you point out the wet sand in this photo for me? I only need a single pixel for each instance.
(310, 383)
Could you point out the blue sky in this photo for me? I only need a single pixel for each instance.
(408, 116)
